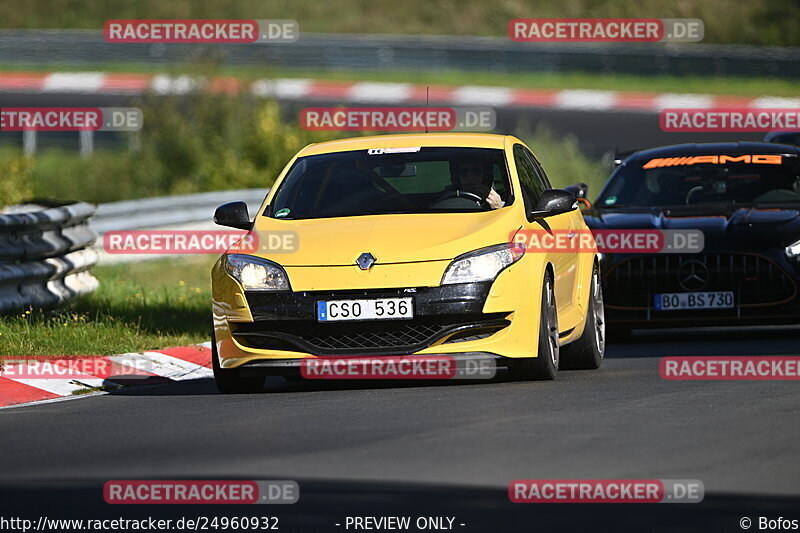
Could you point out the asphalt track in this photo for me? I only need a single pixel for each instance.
(438, 448)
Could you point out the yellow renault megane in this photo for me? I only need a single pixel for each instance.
(405, 246)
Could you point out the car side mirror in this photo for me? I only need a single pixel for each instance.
(234, 215)
(554, 202)
(580, 190)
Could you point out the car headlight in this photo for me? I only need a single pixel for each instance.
(793, 251)
(482, 265)
(256, 274)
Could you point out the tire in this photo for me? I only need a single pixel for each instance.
(587, 352)
(545, 365)
(229, 381)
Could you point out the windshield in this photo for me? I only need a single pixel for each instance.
(704, 179)
(400, 180)
(784, 138)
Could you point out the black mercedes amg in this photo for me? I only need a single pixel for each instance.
(744, 197)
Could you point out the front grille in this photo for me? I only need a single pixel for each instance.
(393, 336)
(755, 280)
(387, 337)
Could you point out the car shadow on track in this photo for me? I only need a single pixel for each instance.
(761, 340)
(325, 502)
(767, 340)
(276, 384)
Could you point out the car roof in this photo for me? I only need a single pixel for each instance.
(727, 148)
(463, 140)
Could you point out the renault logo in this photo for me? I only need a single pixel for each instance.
(693, 275)
(365, 261)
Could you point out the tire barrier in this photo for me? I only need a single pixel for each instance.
(45, 256)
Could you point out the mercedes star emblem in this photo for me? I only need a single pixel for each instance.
(693, 275)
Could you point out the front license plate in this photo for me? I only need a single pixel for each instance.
(379, 309)
(676, 301)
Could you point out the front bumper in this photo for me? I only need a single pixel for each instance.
(490, 317)
(293, 367)
(287, 321)
(764, 287)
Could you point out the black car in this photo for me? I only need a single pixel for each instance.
(744, 197)
(783, 137)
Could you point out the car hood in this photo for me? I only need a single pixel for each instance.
(401, 238)
(741, 227)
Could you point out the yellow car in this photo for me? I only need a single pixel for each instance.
(405, 246)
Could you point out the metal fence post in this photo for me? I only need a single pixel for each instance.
(86, 143)
(29, 142)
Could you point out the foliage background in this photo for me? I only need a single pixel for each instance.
(758, 22)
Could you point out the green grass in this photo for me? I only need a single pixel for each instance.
(138, 306)
(726, 21)
(718, 85)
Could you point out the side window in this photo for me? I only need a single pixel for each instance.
(545, 182)
(528, 179)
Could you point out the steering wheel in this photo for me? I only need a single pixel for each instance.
(463, 194)
(692, 192)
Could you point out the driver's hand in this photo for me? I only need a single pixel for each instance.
(493, 199)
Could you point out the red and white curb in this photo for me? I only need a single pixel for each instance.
(171, 364)
(379, 92)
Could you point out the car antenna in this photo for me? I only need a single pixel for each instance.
(427, 101)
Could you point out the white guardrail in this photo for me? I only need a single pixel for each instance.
(187, 211)
(169, 211)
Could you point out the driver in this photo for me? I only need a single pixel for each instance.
(474, 176)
